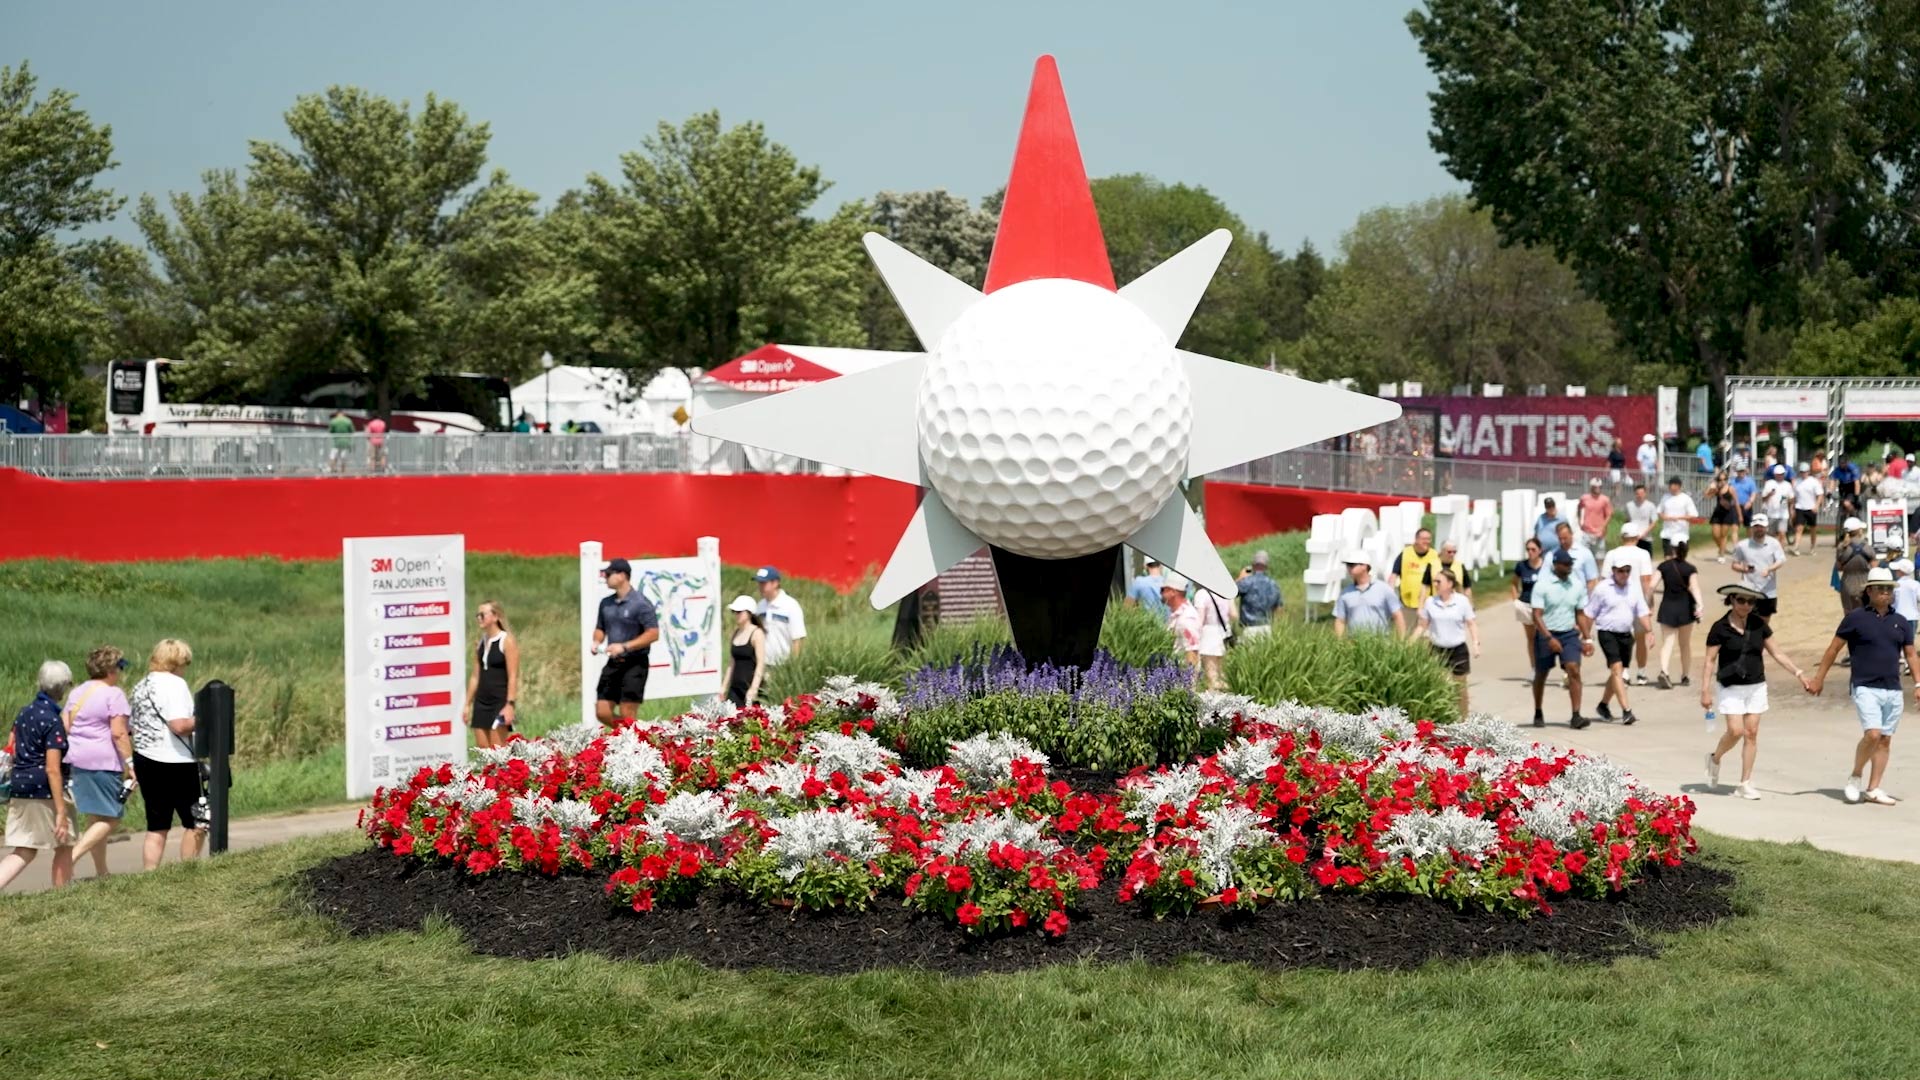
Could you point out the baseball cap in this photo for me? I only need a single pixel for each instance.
(1356, 557)
(742, 603)
(767, 573)
(1174, 582)
(1153, 562)
(1879, 575)
(1759, 521)
(1548, 501)
(1902, 566)
(1742, 467)
(1562, 556)
(1852, 524)
(1633, 528)
(619, 566)
(1594, 483)
(1648, 438)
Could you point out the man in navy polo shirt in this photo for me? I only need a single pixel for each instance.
(1876, 637)
(625, 630)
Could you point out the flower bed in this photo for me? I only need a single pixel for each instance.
(801, 806)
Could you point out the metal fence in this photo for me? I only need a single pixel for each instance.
(99, 457)
(92, 457)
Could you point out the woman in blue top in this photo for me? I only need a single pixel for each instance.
(1525, 572)
(37, 818)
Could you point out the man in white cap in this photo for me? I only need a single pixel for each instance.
(1757, 560)
(1595, 511)
(1775, 498)
(786, 623)
(1182, 618)
(1876, 638)
(1621, 620)
(1906, 591)
(1631, 555)
(1368, 606)
(1809, 498)
(1649, 458)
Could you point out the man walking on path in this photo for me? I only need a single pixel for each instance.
(1586, 570)
(1642, 511)
(1546, 527)
(1619, 613)
(1846, 491)
(1776, 498)
(1876, 638)
(786, 622)
(1744, 491)
(1410, 570)
(1596, 513)
(625, 630)
(1631, 554)
(1677, 512)
(1369, 606)
(1649, 455)
(1808, 496)
(1560, 626)
(1758, 560)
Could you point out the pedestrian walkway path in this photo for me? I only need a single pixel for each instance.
(1806, 743)
(124, 853)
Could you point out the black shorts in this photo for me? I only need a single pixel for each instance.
(169, 789)
(623, 681)
(1807, 518)
(1455, 657)
(1616, 647)
(1724, 515)
(485, 711)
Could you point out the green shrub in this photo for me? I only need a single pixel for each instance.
(835, 649)
(1134, 636)
(950, 643)
(1309, 665)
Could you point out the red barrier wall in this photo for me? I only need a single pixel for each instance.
(1237, 512)
(828, 528)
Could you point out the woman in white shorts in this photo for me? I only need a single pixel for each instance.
(1215, 617)
(1733, 681)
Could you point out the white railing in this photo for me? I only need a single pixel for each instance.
(91, 457)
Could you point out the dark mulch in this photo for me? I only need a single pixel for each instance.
(527, 916)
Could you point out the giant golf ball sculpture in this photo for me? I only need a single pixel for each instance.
(1053, 418)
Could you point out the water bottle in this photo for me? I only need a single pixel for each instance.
(1711, 717)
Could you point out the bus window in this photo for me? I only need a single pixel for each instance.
(127, 387)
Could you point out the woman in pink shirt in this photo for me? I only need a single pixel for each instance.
(100, 751)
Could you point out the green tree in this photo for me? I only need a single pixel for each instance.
(1696, 162)
(940, 227)
(1429, 292)
(704, 249)
(1886, 343)
(51, 157)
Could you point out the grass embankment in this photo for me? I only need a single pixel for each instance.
(209, 969)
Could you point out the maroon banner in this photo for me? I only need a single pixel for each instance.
(1548, 430)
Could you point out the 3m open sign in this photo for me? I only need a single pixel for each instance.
(382, 566)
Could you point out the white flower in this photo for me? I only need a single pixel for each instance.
(785, 777)
(696, 817)
(1224, 831)
(470, 793)
(986, 760)
(814, 834)
(630, 766)
(573, 738)
(855, 755)
(983, 832)
(1175, 787)
(1484, 732)
(531, 810)
(1247, 759)
(1218, 709)
(572, 815)
(842, 692)
(1593, 787)
(901, 791)
(1551, 821)
(1419, 834)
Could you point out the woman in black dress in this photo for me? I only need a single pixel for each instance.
(494, 686)
(1679, 611)
(1724, 515)
(746, 653)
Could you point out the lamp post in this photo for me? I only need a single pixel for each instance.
(546, 362)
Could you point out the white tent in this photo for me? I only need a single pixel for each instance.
(770, 369)
(604, 396)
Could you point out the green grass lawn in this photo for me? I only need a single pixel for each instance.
(210, 970)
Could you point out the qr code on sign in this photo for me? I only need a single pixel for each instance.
(382, 766)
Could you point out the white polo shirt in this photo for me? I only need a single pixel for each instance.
(786, 624)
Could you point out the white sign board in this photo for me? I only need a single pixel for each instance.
(1886, 404)
(1887, 525)
(406, 656)
(1754, 404)
(688, 658)
(1667, 408)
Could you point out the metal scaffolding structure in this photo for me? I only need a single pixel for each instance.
(1840, 396)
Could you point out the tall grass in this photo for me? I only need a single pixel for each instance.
(1308, 664)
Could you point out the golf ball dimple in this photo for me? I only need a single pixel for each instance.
(1054, 419)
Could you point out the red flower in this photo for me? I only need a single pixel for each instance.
(912, 885)
(1017, 917)
(689, 865)
(968, 914)
(1186, 878)
(1296, 854)
(812, 788)
(1056, 923)
(643, 901)
(959, 879)
(653, 867)
(1229, 896)
(1576, 861)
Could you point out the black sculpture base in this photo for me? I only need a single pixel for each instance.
(1055, 606)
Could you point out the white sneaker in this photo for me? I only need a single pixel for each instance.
(1713, 773)
(1747, 792)
(1852, 790)
(1882, 798)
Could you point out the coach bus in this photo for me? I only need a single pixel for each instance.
(142, 399)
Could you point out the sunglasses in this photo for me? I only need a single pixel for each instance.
(1748, 600)
(120, 664)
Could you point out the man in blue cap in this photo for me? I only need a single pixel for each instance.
(625, 631)
(786, 624)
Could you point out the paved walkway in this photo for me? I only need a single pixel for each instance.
(124, 851)
(1806, 743)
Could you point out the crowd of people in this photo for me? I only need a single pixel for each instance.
(78, 753)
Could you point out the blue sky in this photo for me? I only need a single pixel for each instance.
(1299, 115)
